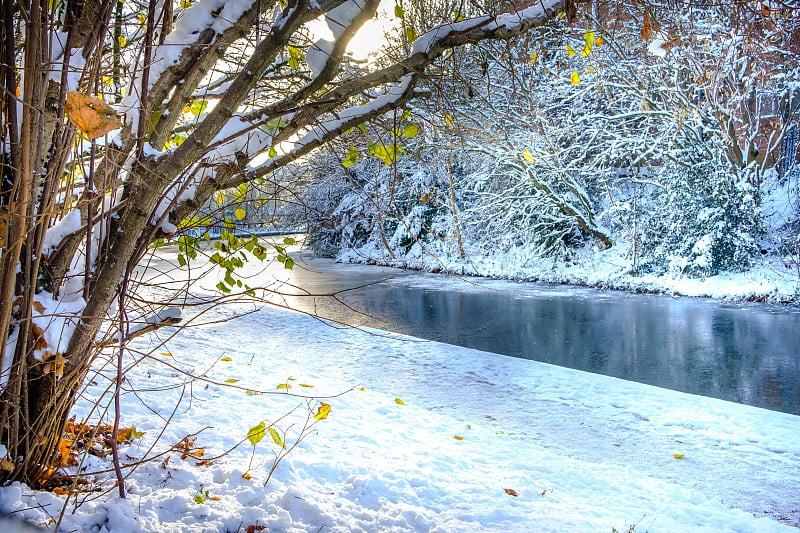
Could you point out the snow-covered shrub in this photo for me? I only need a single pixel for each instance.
(717, 227)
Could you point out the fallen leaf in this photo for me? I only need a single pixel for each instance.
(247, 475)
(322, 411)
(231, 380)
(678, 455)
(226, 358)
(398, 401)
(458, 437)
(511, 492)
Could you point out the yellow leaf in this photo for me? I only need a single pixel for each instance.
(231, 380)
(448, 119)
(587, 50)
(322, 411)
(600, 41)
(411, 34)
(576, 78)
(220, 199)
(166, 354)
(284, 386)
(590, 69)
(678, 455)
(247, 475)
(306, 385)
(571, 51)
(239, 213)
(363, 389)
(561, 15)
(122, 41)
(256, 433)
(276, 438)
(226, 358)
(588, 37)
(458, 437)
(534, 57)
(398, 401)
(528, 156)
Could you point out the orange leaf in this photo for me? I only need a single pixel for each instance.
(64, 446)
(511, 492)
(247, 475)
(90, 115)
(647, 30)
(60, 491)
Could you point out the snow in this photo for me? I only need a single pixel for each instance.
(582, 452)
(68, 225)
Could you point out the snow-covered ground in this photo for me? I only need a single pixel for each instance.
(421, 436)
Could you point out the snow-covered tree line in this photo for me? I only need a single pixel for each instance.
(668, 129)
(120, 119)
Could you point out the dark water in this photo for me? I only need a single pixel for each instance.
(746, 353)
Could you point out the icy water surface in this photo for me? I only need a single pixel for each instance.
(746, 353)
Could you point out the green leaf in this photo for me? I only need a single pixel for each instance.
(181, 260)
(411, 34)
(288, 264)
(198, 106)
(256, 433)
(223, 288)
(289, 241)
(398, 11)
(411, 131)
(276, 438)
(135, 434)
(273, 152)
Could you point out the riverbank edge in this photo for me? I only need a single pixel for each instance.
(769, 281)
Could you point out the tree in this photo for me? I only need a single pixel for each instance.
(120, 120)
(653, 125)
